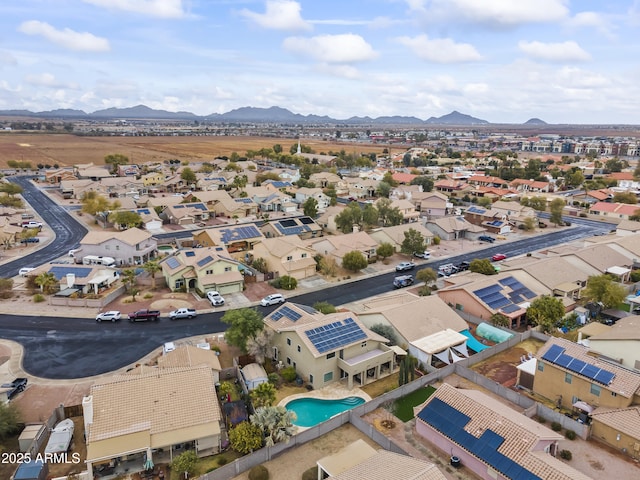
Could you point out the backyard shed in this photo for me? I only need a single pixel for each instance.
(253, 375)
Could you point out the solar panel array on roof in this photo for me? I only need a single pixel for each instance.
(517, 287)
(198, 206)
(190, 254)
(476, 210)
(288, 223)
(306, 220)
(556, 355)
(173, 262)
(143, 211)
(228, 235)
(451, 422)
(243, 200)
(510, 308)
(285, 312)
(307, 308)
(293, 230)
(62, 271)
(204, 261)
(335, 335)
(178, 206)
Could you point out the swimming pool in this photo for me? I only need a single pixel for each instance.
(312, 411)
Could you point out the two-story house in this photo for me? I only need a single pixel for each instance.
(128, 247)
(287, 256)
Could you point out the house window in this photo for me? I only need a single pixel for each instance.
(328, 377)
(209, 272)
(363, 344)
(540, 367)
(311, 379)
(331, 355)
(614, 394)
(288, 361)
(117, 247)
(180, 283)
(294, 365)
(595, 390)
(298, 348)
(304, 255)
(227, 269)
(289, 258)
(567, 378)
(289, 341)
(107, 247)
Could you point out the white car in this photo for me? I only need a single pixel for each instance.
(24, 271)
(215, 298)
(273, 299)
(404, 266)
(110, 316)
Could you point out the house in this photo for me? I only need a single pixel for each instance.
(431, 204)
(325, 179)
(568, 373)
(406, 192)
(508, 293)
(84, 279)
(77, 188)
(151, 413)
(203, 269)
(338, 245)
(327, 219)
(275, 202)
(129, 247)
(618, 428)
(627, 227)
(186, 213)
(358, 460)
(287, 256)
(453, 188)
(487, 181)
(128, 170)
(395, 235)
(613, 211)
(490, 220)
(489, 438)
(453, 228)
(302, 227)
(620, 342)
(191, 356)
(55, 176)
(235, 238)
(305, 193)
(406, 208)
(531, 186)
(319, 159)
(328, 348)
(91, 172)
(152, 179)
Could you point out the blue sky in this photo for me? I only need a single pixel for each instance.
(500, 60)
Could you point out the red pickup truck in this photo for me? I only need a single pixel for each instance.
(144, 316)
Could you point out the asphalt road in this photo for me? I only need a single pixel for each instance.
(68, 231)
(74, 348)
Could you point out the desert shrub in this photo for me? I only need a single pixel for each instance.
(215, 348)
(288, 374)
(222, 461)
(540, 419)
(570, 434)
(565, 454)
(556, 427)
(311, 473)
(147, 296)
(259, 472)
(274, 378)
(635, 276)
(288, 283)
(37, 298)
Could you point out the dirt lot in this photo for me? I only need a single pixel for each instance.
(70, 149)
(502, 367)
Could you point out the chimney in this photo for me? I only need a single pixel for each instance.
(87, 409)
(71, 280)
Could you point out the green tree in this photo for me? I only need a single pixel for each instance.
(538, 203)
(115, 159)
(408, 367)
(625, 197)
(276, 424)
(94, 203)
(244, 323)
(186, 462)
(188, 176)
(529, 224)
(387, 215)
(427, 275)
(263, 395)
(602, 288)
(287, 282)
(239, 182)
(152, 267)
(545, 311)
(636, 216)
(47, 282)
(370, 216)
(614, 165)
(350, 216)
(574, 179)
(10, 421)
(484, 202)
(555, 207)
(324, 307)
(354, 261)
(483, 266)
(413, 242)
(10, 189)
(128, 278)
(386, 331)
(426, 182)
(383, 190)
(385, 250)
(125, 219)
(310, 207)
(260, 264)
(500, 320)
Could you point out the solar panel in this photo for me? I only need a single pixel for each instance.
(143, 211)
(498, 302)
(190, 254)
(290, 314)
(307, 309)
(178, 206)
(173, 262)
(288, 223)
(277, 315)
(509, 281)
(199, 206)
(553, 353)
(589, 371)
(528, 294)
(337, 335)
(604, 377)
(60, 272)
(487, 290)
(515, 298)
(306, 220)
(564, 360)
(510, 308)
(205, 260)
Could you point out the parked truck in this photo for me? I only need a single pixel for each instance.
(18, 385)
(144, 316)
(182, 313)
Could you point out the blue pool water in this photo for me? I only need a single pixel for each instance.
(312, 411)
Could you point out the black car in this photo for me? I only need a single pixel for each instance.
(463, 266)
(486, 238)
(18, 385)
(30, 240)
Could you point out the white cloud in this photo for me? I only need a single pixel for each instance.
(502, 13)
(48, 80)
(441, 50)
(345, 48)
(279, 15)
(568, 51)
(592, 20)
(7, 58)
(79, 41)
(152, 8)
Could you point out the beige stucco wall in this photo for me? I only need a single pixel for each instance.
(624, 350)
(609, 435)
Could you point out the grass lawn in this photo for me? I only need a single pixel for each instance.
(625, 307)
(381, 386)
(208, 464)
(403, 407)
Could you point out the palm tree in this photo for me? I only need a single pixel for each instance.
(276, 423)
(151, 267)
(47, 281)
(128, 278)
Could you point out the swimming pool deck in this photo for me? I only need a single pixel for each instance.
(335, 391)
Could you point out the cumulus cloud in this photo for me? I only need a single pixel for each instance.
(595, 20)
(79, 41)
(500, 13)
(152, 8)
(335, 49)
(568, 51)
(48, 80)
(441, 50)
(279, 15)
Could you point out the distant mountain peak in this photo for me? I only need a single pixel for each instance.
(535, 121)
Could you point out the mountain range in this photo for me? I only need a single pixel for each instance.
(244, 114)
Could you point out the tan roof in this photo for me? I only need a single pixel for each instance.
(396, 233)
(131, 236)
(625, 382)
(593, 328)
(521, 434)
(624, 420)
(190, 356)
(629, 225)
(627, 328)
(603, 257)
(553, 272)
(281, 246)
(455, 224)
(439, 341)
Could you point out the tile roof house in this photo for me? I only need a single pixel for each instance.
(235, 238)
(620, 341)
(395, 235)
(327, 348)
(190, 356)
(407, 209)
(129, 247)
(431, 204)
(338, 245)
(287, 256)
(325, 179)
(186, 213)
(203, 269)
(613, 210)
(358, 461)
(138, 415)
(304, 193)
(489, 438)
(303, 227)
(618, 428)
(453, 228)
(79, 278)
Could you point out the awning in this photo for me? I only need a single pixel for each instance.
(67, 292)
(397, 350)
(585, 407)
(443, 356)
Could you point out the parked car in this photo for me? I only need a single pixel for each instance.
(486, 238)
(144, 316)
(110, 316)
(498, 256)
(215, 298)
(17, 385)
(447, 269)
(30, 240)
(426, 255)
(463, 266)
(273, 299)
(182, 313)
(403, 281)
(404, 266)
(24, 271)
(32, 224)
